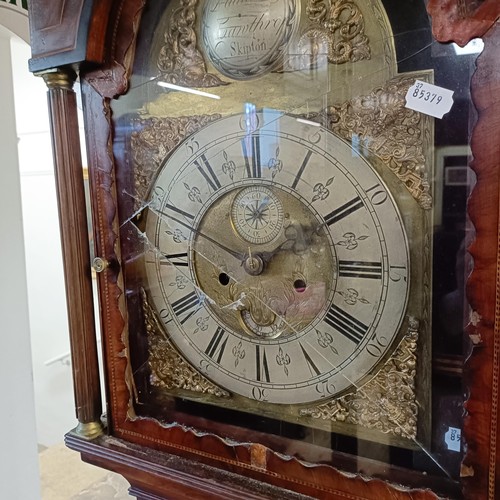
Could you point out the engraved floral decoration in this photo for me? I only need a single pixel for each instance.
(275, 164)
(387, 402)
(194, 194)
(283, 360)
(238, 353)
(201, 325)
(351, 297)
(351, 241)
(228, 167)
(321, 191)
(325, 340)
(177, 235)
(169, 370)
(153, 139)
(383, 126)
(180, 61)
(336, 33)
(180, 282)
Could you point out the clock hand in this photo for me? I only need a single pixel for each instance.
(238, 304)
(253, 265)
(267, 256)
(298, 239)
(235, 254)
(262, 207)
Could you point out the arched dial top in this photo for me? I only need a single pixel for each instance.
(278, 263)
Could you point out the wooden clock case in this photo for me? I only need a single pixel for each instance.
(97, 40)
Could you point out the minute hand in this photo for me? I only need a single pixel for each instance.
(237, 255)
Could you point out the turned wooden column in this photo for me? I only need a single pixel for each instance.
(75, 249)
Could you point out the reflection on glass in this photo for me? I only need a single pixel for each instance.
(296, 249)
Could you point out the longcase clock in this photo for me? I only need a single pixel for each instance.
(296, 239)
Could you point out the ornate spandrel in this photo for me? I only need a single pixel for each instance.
(169, 370)
(382, 125)
(387, 402)
(153, 139)
(180, 61)
(335, 34)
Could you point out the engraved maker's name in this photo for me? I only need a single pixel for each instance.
(248, 25)
(245, 38)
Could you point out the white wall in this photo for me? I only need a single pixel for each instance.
(53, 387)
(40, 330)
(18, 459)
(54, 402)
(15, 19)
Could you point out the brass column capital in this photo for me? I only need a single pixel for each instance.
(59, 78)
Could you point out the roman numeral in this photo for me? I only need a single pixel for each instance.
(188, 304)
(346, 324)
(177, 259)
(301, 169)
(215, 347)
(251, 151)
(175, 219)
(178, 210)
(207, 171)
(310, 363)
(355, 269)
(262, 368)
(344, 211)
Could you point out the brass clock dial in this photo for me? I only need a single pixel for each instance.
(280, 266)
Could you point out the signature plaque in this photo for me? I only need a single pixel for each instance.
(245, 39)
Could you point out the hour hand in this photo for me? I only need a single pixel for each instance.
(238, 255)
(298, 240)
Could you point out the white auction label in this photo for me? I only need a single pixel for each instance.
(429, 99)
(452, 439)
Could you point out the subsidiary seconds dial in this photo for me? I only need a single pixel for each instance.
(279, 264)
(257, 214)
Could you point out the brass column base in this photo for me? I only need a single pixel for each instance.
(90, 430)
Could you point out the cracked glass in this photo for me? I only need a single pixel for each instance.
(293, 234)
